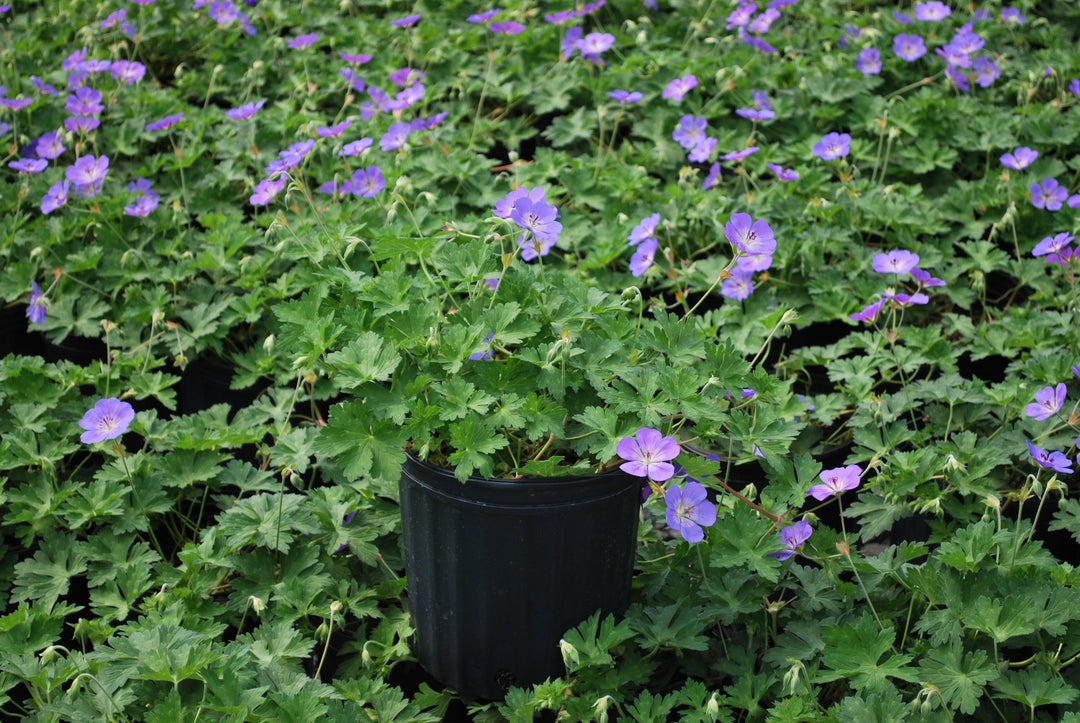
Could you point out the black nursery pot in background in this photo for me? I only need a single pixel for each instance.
(499, 569)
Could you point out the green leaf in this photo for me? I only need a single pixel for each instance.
(1000, 618)
(592, 642)
(274, 643)
(266, 520)
(971, 545)
(460, 397)
(45, 577)
(473, 442)
(960, 678)
(363, 443)
(670, 627)
(884, 706)
(853, 652)
(1034, 687)
(363, 360)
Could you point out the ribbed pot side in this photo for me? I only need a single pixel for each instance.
(499, 569)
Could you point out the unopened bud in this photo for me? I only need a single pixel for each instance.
(257, 604)
(569, 653)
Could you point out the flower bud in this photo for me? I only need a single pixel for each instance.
(257, 604)
(569, 653)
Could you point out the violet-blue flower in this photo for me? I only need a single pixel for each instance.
(1012, 16)
(897, 261)
(396, 137)
(739, 285)
(784, 174)
(368, 182)
(87, 174)
(1019, 159)
(932, 11)
(266, 190)
(792, 538)
(1056, 461)
(755, 114)
(986, 71)
(1049, 194)
(302, 42)
(538, 218)
(835, 481)
(741, 15)
(740, 155)
(832, 146)
(407, 21)
(926, 279)
(108, 419)
(355, 148)
(56, 197)
(1052, 245)
(35, 309)
(644, 230)
(903, 299)
(644, 257)
(483, 17)
(165, 123)
(712, 177)
(688, 510)
(84, 101)
(678, 88)
(749, 236)
(909, 47)
(869, 312)
(869, 61)
(648, 454)
(764, 21)
(335, 130)
(504, 207)
(507, 27)
(146, 199)
(354, 58)
(701, 152)
(1048, 402)
(29, 165)
(690, 131)
(246, 111)
(624, 96)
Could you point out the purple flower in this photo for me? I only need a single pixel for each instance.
(333, 188)
(128, 71)
(792, 538)
(485, 352)
(507, 27)
(932, 11)
(986, 72)
(404, 77)
(538, 218)
(15, 103)
(87, 174)
(335, 130)
(957, 77)
(1052, 245)
(35, 310)
(712, 178)
(266, 190)
(690, 131)
(757, 43)
(570, 42)
(1074, 86)
(1019, 159)
(29, 165)
(1048, 401)
(740, 155)
(763, 22)
(483, 17)
(42, 86)
(909, 47)
(741, 15)
(688, 510)
(750, 264)
(832, 146)
(355, 148)
(869, 61)
(647, 454)
(146, 199)
(223, 11)
(644, 230)
(407, 21)
(368, 182)
(107, 420)
(560, 17)
(739, 285)
(56, 197)
(966, 42)
(624, 96)
(1049, 195)
(902, 18)
(784, 174)
(165, 123)
(897, 261)
(354, 58)
(246, 111)
(396, 137)
(1056, 461)
(676, 89)
(82, 124)
(701, 152)
(1012, 16)
(300, 42)
(84, 101)
(755, 114)
(925, 279)
(869, 312)
(504, 207)
(595, 43)
(834, 481)
(908, 299)
(643, 257)
(749, 236)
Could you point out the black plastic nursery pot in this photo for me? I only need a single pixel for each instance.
(499, 569)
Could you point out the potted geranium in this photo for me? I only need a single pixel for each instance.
(500, 391)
